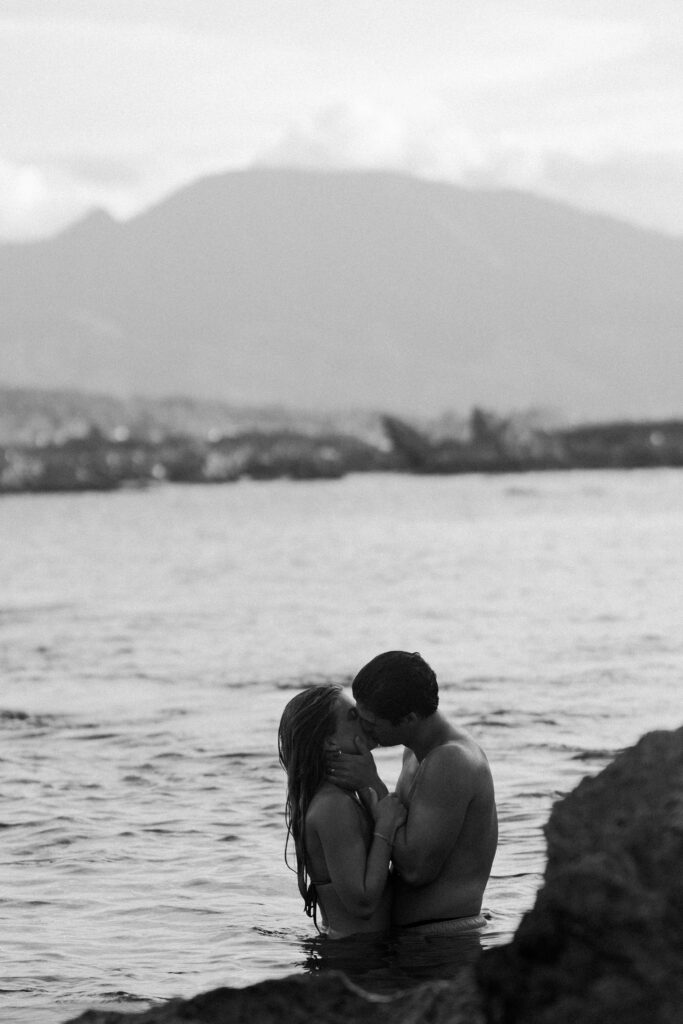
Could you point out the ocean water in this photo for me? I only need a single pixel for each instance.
(150, 639)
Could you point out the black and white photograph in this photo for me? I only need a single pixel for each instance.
(341, 511)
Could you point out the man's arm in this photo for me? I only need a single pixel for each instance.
(441, 795)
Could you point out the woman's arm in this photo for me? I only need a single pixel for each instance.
(359, 875)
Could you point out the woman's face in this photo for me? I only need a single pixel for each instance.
(347, 726)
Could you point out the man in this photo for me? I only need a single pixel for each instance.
(443, 854)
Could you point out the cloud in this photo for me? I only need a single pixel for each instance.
(426, 143)
(117, 103)
(39, 199)
(636, 187)
(589, 170)
(341, 135)
(34, 202)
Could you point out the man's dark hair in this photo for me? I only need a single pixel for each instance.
(395, 683)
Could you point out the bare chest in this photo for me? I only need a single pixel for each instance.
(407, 780)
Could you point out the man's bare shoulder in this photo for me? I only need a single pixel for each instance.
(460, 756)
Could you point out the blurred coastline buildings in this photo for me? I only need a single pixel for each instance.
(81, 454)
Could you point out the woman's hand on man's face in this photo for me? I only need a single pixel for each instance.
(353, 771)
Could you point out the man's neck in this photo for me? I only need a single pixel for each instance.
(430, 733)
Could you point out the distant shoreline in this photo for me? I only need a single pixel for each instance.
(97, 461)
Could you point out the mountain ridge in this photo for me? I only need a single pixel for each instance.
(365, 289)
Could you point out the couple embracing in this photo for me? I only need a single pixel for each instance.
(367, 859)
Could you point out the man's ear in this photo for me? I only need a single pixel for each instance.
(410, 718)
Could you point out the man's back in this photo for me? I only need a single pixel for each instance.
(444, 859)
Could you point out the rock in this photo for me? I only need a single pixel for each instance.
(604, 942)
(602, 945)
(329, 998)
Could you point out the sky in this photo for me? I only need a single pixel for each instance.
(117, 104)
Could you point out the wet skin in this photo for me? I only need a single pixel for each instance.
(443, 854)
(347, 856)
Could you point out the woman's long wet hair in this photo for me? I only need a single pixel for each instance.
(307, 721)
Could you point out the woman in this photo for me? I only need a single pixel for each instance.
(343, 848)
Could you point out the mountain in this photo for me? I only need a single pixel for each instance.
(331, 290)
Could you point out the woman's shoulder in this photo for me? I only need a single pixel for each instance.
(331, 803)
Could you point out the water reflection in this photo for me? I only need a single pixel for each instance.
(396, 960)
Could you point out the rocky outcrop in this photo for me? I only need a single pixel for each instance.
(329, 999)
(604, 942)
(602, 945)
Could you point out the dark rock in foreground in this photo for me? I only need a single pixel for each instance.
(604, 941)
(602, 945)
(331, 998)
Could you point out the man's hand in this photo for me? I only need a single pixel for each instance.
(355, 771)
